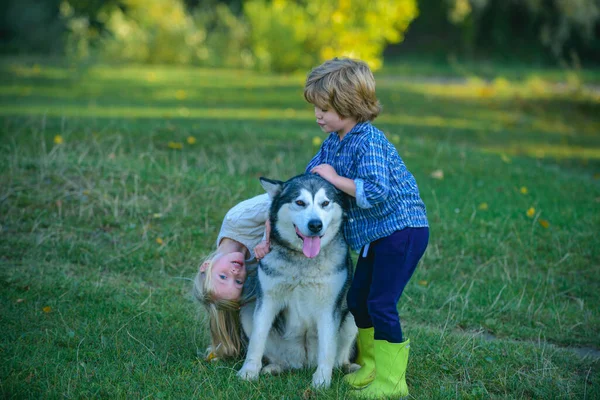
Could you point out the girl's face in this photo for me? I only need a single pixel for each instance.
(228, 274)
(330, 121)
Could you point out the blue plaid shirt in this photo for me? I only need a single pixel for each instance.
(387, 196)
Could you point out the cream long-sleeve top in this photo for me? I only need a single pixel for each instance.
(245, 223)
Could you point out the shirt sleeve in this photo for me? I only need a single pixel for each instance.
(372, 178)
(245, 222)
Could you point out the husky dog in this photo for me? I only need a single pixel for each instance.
(300, 318)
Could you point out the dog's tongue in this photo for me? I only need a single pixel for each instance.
(311, 246)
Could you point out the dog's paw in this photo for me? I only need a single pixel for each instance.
(322, 378)
(350, 368)
(272, 369)
(249, 372)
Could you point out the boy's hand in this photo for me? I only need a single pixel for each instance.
(326, 172)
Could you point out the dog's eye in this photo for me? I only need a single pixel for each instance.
(324, 204)
(300, 203)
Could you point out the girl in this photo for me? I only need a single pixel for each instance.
(226, 280)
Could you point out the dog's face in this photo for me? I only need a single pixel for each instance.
(308, 212)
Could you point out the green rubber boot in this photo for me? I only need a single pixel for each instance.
(366, 360)
(391, 360)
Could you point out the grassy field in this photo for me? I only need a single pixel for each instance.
(439, 65)
(115, 180)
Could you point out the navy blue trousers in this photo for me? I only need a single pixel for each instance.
(380, 279)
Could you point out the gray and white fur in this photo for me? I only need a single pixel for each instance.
(300, 318)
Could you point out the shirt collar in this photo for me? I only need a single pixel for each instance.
(356, 129)
(359, 127)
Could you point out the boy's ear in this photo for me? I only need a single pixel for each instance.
(272, 187)
(204, 266)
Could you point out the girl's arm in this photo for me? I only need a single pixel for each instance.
(245, 222)
(264, 247)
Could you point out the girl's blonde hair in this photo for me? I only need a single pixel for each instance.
(345, 84)
(223, 317)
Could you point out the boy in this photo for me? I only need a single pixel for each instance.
(386, 218)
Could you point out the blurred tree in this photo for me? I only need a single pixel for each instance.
(28, 26)
(565, 19)
(152, 31)
(559, 24)
(145, 31)
(227, 33)
(158, 31)
(287, 35)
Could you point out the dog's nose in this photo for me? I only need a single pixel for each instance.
(315, 225)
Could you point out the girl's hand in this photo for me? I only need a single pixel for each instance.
(326, 172)
(262, 249)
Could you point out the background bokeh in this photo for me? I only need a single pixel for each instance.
(287, 35)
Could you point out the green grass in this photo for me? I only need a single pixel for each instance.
(440, 65)
(101, 234)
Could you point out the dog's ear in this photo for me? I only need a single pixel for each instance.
(272, 187)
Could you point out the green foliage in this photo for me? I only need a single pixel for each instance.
(570, 17)
(227, 40)
(282, 35)
(288, 35)
(158, 32)
(557, 23)
(30, 26)
(153, 31)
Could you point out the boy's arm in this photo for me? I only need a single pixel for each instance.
(328, 173)
(372, 183)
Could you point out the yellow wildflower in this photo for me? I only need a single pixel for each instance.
(191, 140)
(159, 241)
(437, 174)
(486, 92)
(544, 223)
(58, 139)
(524, 190)
(531, 212)
(47, 309)
(175, 145)
(483, 206)
(316, 141)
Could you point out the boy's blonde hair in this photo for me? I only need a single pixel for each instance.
(223, 317)
(345, 84)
